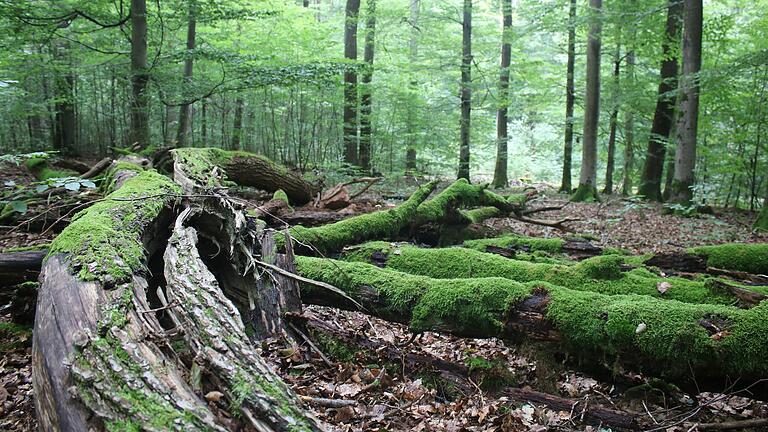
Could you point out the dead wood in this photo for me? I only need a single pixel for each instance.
(18, 267)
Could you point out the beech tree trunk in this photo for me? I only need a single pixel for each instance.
(350, 83)
(687, 122)
(139, 76)
(365, 100)
(587, 189)
(466, 90)
(500, 179)
(413, 52)
(629, 123)
(237, 124)
(650, 180)
(185, 109)
(65, 120)
(566, 185)
(613, 122)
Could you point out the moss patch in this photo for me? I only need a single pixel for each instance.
(585, 193)
(511, 241)
(42, 171)
(601, 274)
(746, 257)
(108, 182)
(104, 240)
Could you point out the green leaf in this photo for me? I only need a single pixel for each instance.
(19, 206)
(89, 184)
(73, 186)
(41, 188)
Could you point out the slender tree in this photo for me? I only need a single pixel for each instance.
(587, 189)
(613, 122)
(413, 53)
(350, 83)
(687, 122)
(365, 98)
(566, 185)
(500, 179)
(65, 120)
(237, 124)
(629, 115)
(185, 109)
(139, 75)
(650, 180)
(466, 89)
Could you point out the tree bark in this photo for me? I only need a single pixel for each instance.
(466, 89)
(237, 125)
(569, 100)
(184, 109)
(687, 127)
(500, 179)
(350, 83)
(139, 76)
(613, 122)
(650, 180)
(588, 178)
(18, 267)
(413, 52)
(65, 127)
(629, 122)
(366, 140)
(247, 169)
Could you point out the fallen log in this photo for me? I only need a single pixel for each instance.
(139, 317)
(574, 248)
(746, 257)
(690, 344)
(20, 266)
(205, 165)
(381, 224)
(603, 274)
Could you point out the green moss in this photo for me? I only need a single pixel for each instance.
(585, 193)
(37, 247)
(13, 336)
(459, 194)
(108, 182)
(105, 239)
(42, 171)
(746, 257)
(467, 307)
(512, 241)
(761, 223)
(601, 274)
(480, 214)
(490, 374)
(380, 224)
(673, 341)
(335, 348)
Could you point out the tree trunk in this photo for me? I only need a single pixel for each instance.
(569, 100)
(761, 224)
(237, 125)
(248, 169)
(687, 122)
(587, 190)
(650, 180)
(466, 89)
(413, 51)
(367, 88)
(121, 348)
(350, 83)
(613, 122)
(589, 324)
(500, 179)
(139, 76)
(65, 118)
(629, 124)
(184, 109)
(204, 123)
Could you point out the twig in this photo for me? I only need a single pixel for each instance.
(543, 209)
(311, 344)
(647, 411)
(749, 424)
(551, 224)
(328, 403)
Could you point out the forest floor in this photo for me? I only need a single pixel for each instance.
(396, 396)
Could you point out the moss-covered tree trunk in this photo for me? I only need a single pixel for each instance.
(669, 338)
(142, 314)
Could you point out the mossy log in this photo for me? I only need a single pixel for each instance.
(746, 257)
(381, 224)
(669, 338)
(512, 243)
(207, 165)
(142, 312)
(607, 274)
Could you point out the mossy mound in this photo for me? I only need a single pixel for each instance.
(602, 274)
(585, 193)
(512, 241)
(104, 240)
(668, 337)
(40, 168)
(746, 257)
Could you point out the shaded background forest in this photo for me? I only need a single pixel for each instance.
(267, 77)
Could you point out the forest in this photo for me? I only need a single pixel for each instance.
(383, 215)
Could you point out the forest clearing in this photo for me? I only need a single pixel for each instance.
(491, 215)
